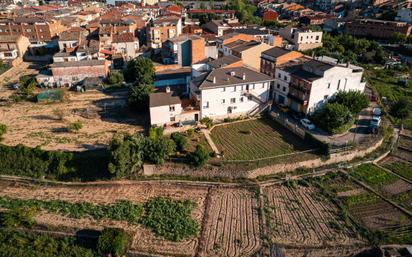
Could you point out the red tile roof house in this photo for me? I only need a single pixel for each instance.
(270, 15)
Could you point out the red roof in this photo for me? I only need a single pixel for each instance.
(174, 8)
(124, 37)
(195, 11)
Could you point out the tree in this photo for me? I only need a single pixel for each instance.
(332, 117)
(139, 96)
(400, 108)
(398, 37)
(180, 141)
(155, 132)
(113, 242)
(115, 78)
(126, 155)
(199, 157)
(140, 70)
(19, 217)
(3, 130)
(354, 100)
(157, 150)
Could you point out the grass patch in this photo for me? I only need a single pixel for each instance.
(373, 175)
(255, 139)
(401, 168)
(362, 199)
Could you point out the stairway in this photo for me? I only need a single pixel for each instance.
(259, 109)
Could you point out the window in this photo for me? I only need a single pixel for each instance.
(338, 84)
(284, 89)
(325, 97)
(278, 86)
(223, 89)
(206, 105)
(317, 37)
(241, 99)
(171, 108)
(234, 89)
(172, 119)
(328, 85)
(223, 101)
(263, 85)
(285, 78)
(232, 100)
(279, 76)
(253, 86)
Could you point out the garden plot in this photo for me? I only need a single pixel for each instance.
(253, 139)
(100, 193)
(232, 224)
(296, 217)
(398, 166)
(46, 125)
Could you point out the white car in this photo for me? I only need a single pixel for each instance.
(377, 111)
(307, 124)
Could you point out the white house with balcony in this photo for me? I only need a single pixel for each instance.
(231, 92)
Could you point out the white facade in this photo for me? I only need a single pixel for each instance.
(229, 101)
(281, 87)
(165, 114)
(334, 80)
(127, 49)
(302, 39)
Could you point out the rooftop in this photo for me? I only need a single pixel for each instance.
(232, 76)
(223, 61)
(163, 98)
(276, 52)
(124, 37)
(78, 63)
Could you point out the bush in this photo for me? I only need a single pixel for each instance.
(115, 77)
(155, 132)
(180, 141)
(208, 122)
(355, 101)
(113, 242)
(400, 108)
(126, 155)
(75, 126)
(190, 132)
(199, 157)
(17, 217)
(3, 130)
(157, 150)
(170, 219)
(332, 117)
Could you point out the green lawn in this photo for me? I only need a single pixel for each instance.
(255, 139)
(402, 168)
(373, 175)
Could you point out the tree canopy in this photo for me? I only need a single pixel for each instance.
(332, 117)
(354, 100)
(400, 108)
(140, 70)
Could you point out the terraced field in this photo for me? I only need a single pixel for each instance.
(256, 139)
(298, 218)
(232, 224)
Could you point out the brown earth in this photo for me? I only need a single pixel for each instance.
(397, 187)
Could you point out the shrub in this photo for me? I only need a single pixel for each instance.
(190, 132)
(113, 242)
(180, 141)
(155, 132)
(199, 157)
(157, 150)
(208, 122)
(75, 126)
(59, 113)
(332, 117)
(17, 217)
(355, 101)
(400, 108)
(126, 155)
(3, 130)
(115, 77)
(170, 219)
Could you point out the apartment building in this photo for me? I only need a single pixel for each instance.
(377, 28)
(223, 41)
(248, 52)
(162, 29)
(218, 27)
(183, 50)
(69, 40)
(301, 38)
(305, 84)
(273, 57)
(231, 92)
(126, 45)
(36, 29)
(12, 47)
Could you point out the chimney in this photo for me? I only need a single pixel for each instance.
(167, 89)
(244, 76)
(214, 80)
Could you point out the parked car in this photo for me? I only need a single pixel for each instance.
(375, 121)
(307, 124)
(377, 111)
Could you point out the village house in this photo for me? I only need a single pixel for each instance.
(183, 50)
(12, 47)
(274, 57)
(377, 28)
(162, 29)
(248, 51)
(126, 45)
(302, 39)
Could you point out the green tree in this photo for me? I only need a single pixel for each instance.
(139, 96)
(17, 217)
(115, 77)
(180, 141)
(332, 117)
(398, 37)
(155, 132)
(3, 130)
(126, 155)
(354, 100)
(75, 126)
(140, 70)
(199, 157)
(113, 242)
(400, 108)
(157, 150)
